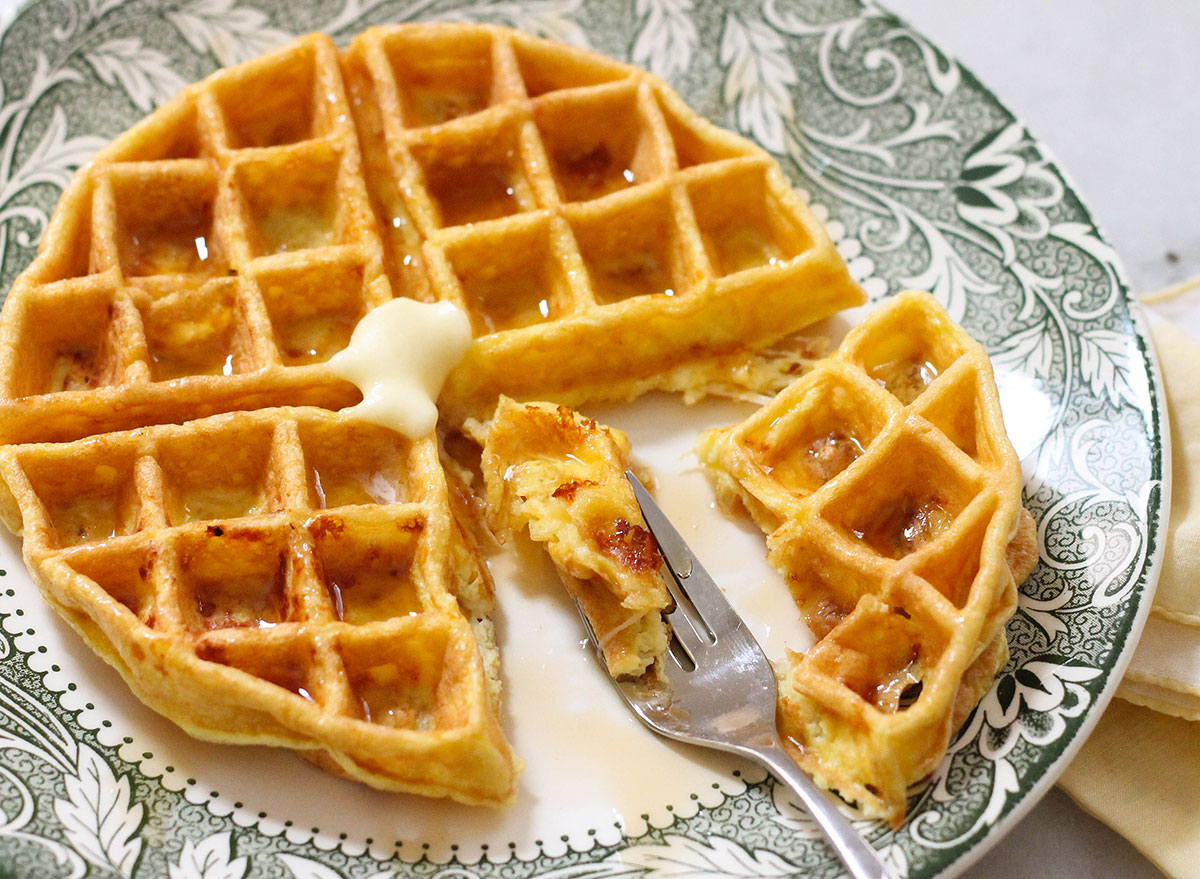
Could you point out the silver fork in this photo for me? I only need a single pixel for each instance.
(715, 687)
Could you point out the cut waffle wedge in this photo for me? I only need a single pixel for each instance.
(562, 475)
(288, 577)
(892, 501)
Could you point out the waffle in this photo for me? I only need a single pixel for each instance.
(199, 273)
(288, 577)
(603, 238)
(892, 500)
(562, 475)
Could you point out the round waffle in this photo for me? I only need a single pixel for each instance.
(261, 573)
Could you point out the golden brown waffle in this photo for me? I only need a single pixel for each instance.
(892, 500)
(601, 236)
(288, 577)
(562, 475)
(603, 240)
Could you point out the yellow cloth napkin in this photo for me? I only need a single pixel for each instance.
(1139, 773)
(1140, 770)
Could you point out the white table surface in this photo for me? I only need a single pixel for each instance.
(1111, 86)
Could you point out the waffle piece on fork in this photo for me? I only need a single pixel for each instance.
(562, 475)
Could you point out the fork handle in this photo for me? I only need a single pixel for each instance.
(855, 852)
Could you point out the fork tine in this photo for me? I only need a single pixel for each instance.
(702, 592)
(671, 655)
(687, 626)
(591, 633)
(674, 549)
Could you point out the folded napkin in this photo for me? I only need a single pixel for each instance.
(1140, 770)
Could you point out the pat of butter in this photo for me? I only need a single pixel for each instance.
(399, 356)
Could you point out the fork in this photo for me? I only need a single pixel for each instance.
(715, 687)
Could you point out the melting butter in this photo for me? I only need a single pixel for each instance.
(399, 356)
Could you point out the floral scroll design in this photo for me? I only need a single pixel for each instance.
(85, 40)
(97, 815)
(867, 115)
(51, 161)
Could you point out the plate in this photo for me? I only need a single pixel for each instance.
(925, 180)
